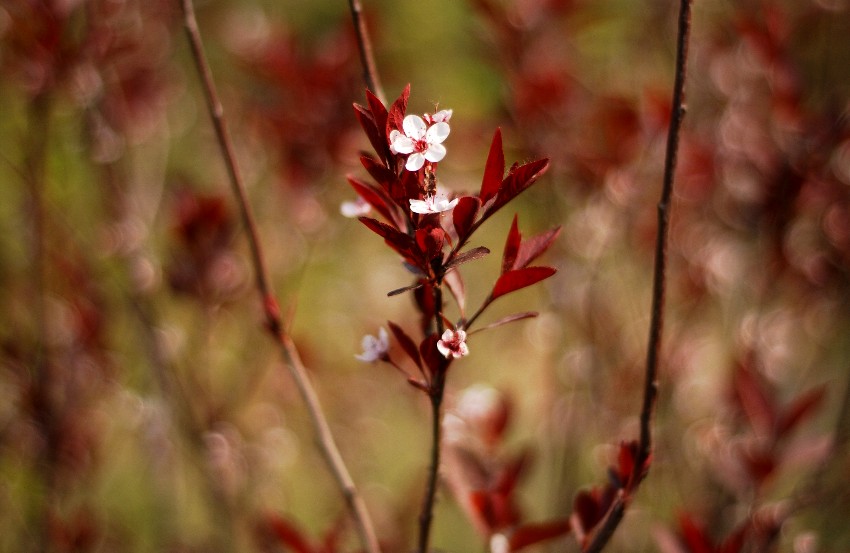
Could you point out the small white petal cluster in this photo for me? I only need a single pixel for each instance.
(374, 347)
(422, 140)
(453, 344)
(357, 208)
(432, 204)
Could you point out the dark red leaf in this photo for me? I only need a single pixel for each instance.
(382, 175)
(463, 215)
(494, 170)
(378, 111)
(434, 361)
(406, 343)
(534, 247)
(430, 241)
(529, 534)
(397, 111)
(374, 197)
(511, 247)
(520, 278)
(399, 241)
(375, 134)
(467, 256)
(802, 407)
(404, 289)
(518, 180)
(508, 319)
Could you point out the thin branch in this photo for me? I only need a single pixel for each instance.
(289, 352)
(437, 391)
(367, 58)
(650, 394)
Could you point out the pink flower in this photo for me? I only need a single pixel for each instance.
(422, 141)
(432, 204)
(453, 344)
(374, 347)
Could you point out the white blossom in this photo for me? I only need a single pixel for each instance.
(453, 344)
(422, 141)
(432, 204)
(374, 348)
(357, 208)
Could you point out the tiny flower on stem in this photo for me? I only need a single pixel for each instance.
(422, 141)
(375, 348)
(432, 204)
(453, 344)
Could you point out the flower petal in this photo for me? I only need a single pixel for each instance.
(437, 133)
(414, 127)
(435, 152)
(415, 162)
(420, 206)
(401, 144)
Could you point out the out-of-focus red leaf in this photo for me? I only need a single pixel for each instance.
(591, 506)
(463, 215)
(754, 399)
(530, 534)
(761, 463)
(520, 278)
(693, 535)
(494, 170)
(406, 343)
(285, 533)
(509, 476)
(801, 408)
(534, 247)
(512, 245)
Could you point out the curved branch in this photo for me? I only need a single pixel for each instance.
(289, 352)
(650, 393)
(367, 58)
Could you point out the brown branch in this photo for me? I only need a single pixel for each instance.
(367, 58)
(289, 352)
(650, 394)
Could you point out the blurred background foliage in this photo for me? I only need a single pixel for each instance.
(142, 407)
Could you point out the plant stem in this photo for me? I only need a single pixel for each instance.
(289, 352)
(650, 393)
(367, 58)
(438, 387)
(427, 514)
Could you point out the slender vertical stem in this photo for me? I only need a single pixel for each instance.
(438, 387)
(650, 394)
(427, 514)
(367, 58)
(289, 352)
